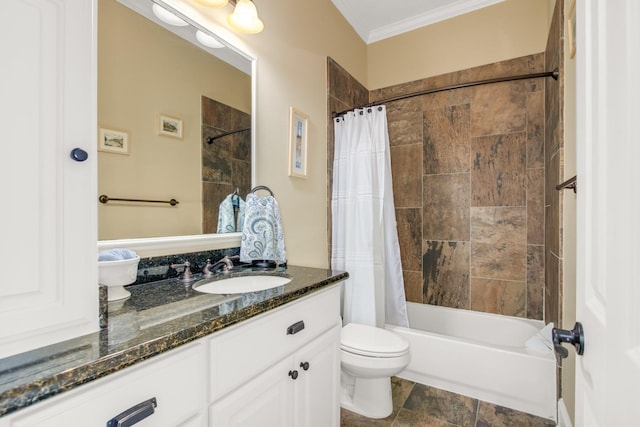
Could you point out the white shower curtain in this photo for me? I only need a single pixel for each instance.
(364, 234)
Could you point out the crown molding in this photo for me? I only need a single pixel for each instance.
(358, 18)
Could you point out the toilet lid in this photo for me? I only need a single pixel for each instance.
(371, 341)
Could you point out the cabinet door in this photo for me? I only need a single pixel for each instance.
(266, 401)
(244, 351)
(48, 227)
(317, 388)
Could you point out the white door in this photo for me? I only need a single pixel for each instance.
(608, 211)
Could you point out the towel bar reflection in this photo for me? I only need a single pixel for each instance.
(103, 198)
(570, 183)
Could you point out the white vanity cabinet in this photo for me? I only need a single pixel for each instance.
(48, 228)
(258, 375)
(174, 379)
(286, 395)
(267, 371)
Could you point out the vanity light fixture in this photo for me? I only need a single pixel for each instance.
(213, 3)
(208, 40)
(167, 17)
(245, 18)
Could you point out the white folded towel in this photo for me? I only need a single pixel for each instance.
(542, 340)
(116, 254)
(262, 233)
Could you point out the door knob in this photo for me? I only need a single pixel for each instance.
(575, 337)
(293, 374)
(304, 365)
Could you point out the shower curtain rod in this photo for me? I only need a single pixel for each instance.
(222, 135)
(553, 74)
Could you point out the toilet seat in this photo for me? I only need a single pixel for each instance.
(370, 341)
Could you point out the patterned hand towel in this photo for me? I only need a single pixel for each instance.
(262, 234)
(226, 214)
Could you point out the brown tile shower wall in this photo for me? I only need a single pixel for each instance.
(554, 164)
(468, 170)
(226, 163)
(479, 242)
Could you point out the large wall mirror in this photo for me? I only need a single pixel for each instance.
(163, 99)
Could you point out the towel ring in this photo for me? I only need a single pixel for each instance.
(262, 187)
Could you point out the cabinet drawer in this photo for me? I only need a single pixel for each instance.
(241, 352)
(175, 380)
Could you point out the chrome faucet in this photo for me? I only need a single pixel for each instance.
(187, 276)
(224, 265)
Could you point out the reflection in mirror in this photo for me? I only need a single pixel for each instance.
(169, 97)
(226, 166)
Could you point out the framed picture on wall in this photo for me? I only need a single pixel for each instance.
(113, 141)
(170, 126)
(298, 128)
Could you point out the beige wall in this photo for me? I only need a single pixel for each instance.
(144, 70)
(291, 71)
(507, 30)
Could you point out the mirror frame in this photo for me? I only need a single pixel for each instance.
(161, 246)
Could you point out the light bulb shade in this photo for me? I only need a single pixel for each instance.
(167, 17)
(213, 3)
(245, 18)
(208, 40)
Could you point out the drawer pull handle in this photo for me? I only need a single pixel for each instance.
(134, 414)
(293, 374)
(304, 365)
(295, 328)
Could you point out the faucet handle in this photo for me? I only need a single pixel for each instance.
(206, 271)
(186, 273)
(185, 264)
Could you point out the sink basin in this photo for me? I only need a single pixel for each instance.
(240, 284)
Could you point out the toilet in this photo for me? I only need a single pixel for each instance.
(369, 357)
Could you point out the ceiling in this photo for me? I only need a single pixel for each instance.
(376, 20)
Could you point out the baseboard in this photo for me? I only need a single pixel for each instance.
(564, 420)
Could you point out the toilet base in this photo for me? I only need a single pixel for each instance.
(370, 397)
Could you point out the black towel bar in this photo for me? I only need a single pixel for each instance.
(105, 199)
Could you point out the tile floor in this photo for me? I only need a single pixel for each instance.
(418, 405)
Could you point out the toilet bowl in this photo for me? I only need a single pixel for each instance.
(369, 357)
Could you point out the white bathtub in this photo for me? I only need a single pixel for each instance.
(482, 356)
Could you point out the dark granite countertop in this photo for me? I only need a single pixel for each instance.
(158, 317)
